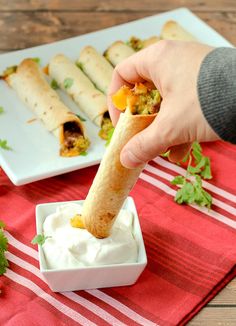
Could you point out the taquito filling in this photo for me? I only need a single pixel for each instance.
(135, 43)
(73, 143)
(8, 71)
(12, 69)
(141, 100)
(106, 126)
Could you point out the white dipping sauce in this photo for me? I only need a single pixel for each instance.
(70, 247)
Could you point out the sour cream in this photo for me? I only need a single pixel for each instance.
(69, 247)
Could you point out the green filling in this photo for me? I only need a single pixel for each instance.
(147, 103)
(8, 71)
(106, 128)
(135, 43)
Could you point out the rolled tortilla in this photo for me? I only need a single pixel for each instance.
(31, 86)
(117, 52)
(96, 67)
(138, 44)
(149, 41)
(76, 84)
(113, 182)
(173, 31)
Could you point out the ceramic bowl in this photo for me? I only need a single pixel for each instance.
(90, 277)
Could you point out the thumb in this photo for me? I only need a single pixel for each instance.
(144, 146)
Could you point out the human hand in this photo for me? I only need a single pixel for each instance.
(173, 67)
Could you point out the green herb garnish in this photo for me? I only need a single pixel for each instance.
(39, 239)
(3, 248)
(83, 153)
(4, 145)
(192, 191)
(1, 109)
(37, 60)
(109, 136)
(68, 82)
(81, 118)
(166, 154)
(54, 84)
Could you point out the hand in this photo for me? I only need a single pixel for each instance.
(173, 67)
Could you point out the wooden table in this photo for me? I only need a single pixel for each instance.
(28, 23)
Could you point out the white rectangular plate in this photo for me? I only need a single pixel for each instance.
(35, 153)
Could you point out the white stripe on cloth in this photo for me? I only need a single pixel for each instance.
(51, 300)
(121, 307)
(114, 303)
(170, 191)
(170, 177)
(207, 185)
(70, 295)
(21, 246)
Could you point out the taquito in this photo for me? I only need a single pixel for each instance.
(173, 31)
(28, 81)
(139, 44)
(113, 182)
(75, 83)
(117, 52)
(96, 67)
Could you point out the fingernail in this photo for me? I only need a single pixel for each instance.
(129, 159)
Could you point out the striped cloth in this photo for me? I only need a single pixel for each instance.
(191, 251)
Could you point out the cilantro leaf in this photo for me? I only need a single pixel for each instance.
(39, 239)
(68, 82)
(2, 224)
(1, 109)
(166, 154)
(4, 145)
(37, 60)
(185, 194)
(3, 263)
(54, 84)
(81, 118)
(3, 241)
(3, 247)
(186, 158)
(178, 180)
(198, 168)
(192, 191)
(202, 163)
(83, 153)
(206, 173)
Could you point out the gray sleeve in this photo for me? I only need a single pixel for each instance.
(217, 91)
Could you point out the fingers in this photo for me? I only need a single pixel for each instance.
(144, 146)
(116, 83)
(178, 152)
(133, 69)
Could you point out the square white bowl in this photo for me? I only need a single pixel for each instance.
(91, 277)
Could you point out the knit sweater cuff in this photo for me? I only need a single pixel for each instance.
(217, 91)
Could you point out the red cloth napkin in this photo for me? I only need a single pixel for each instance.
(191, 252)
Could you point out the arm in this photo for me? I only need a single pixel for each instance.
(217, 92)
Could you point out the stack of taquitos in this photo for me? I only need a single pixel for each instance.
(31, 86)
(113, 181)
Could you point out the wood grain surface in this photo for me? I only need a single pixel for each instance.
(27, 23)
